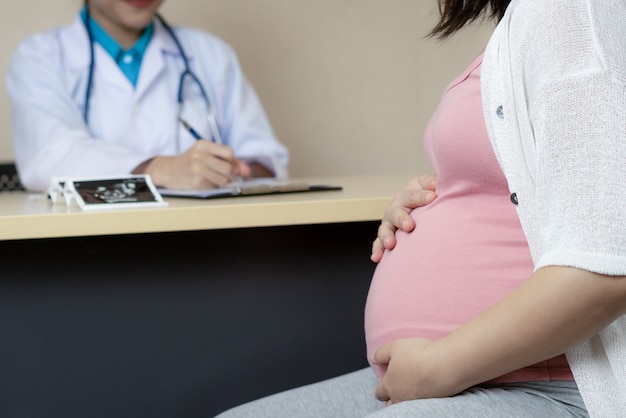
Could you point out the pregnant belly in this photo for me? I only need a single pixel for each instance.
(445, 272)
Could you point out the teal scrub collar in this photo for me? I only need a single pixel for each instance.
(129, 61)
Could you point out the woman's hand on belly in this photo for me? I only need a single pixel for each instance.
(420, 191)
(408, 374)
(555, 309)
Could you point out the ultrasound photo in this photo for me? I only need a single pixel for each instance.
(113, 191)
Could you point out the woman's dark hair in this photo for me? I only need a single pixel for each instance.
(457, 13)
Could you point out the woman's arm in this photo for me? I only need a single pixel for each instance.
(554, 310)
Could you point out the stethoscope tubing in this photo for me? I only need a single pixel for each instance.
(92, 62)
(179, 96)
(187, 71)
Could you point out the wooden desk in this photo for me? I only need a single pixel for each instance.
(27, 216)
(186, 310)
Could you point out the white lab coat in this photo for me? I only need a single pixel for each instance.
(47, 79)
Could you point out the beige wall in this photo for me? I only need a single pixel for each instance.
(348, 84)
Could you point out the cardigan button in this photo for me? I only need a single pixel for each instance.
(514, 199)
(500, 112)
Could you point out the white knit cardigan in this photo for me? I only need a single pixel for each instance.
(554, 97)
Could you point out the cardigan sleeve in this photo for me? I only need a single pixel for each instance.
(580, 171)
(557, 69)
(569, 65)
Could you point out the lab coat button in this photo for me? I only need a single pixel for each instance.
(514, 199)
(500, 112)
(136, 109)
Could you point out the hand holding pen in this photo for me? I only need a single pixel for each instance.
(241, 168)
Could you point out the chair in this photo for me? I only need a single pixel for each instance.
(9, 180)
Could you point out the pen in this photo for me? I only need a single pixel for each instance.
(217, 138)
(187, 126)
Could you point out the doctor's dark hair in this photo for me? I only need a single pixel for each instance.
(455, 14)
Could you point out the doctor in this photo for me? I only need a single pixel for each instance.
(111, 94)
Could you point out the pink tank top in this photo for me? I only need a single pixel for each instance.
(468, 250)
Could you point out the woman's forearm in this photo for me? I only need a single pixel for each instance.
(555, 309)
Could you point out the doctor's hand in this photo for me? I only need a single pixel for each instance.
(205, 165)
(420, 191)
(411, 372)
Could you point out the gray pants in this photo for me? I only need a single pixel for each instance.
(352, 395)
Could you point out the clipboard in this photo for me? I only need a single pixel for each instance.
(253, 187)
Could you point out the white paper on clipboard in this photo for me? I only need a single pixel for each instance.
(251, 187)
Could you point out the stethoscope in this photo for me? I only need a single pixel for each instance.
(179, 96)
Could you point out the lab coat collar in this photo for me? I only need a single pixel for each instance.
(75, 43)
(154, 58)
